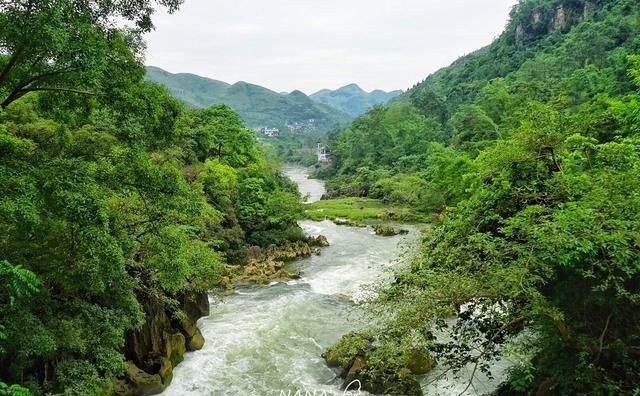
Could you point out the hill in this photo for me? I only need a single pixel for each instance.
(258, 106)
(352, 99)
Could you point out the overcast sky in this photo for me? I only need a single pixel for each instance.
(314, 44)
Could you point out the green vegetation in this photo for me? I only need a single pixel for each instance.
(352, 99)
(296, 148)
(258, 106)
(530, 151)
(358, 209)
(385, 367)
(114, 196)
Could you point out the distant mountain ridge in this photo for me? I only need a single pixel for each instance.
(258, 106)
(352, 99)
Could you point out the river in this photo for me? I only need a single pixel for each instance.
(267, 340)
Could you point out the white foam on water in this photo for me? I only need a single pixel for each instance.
(261, 340)
(264, 340)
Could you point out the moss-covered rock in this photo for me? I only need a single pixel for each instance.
(175, 348)
(319, 241)
(419, 361)
(122, 387)
(348, 223)
(155, 349)
(384, 230)
(143, 382)
(196, 341)
(166, 372)
(265, 264)
(345, 352)
(354, 372)
(384, 366)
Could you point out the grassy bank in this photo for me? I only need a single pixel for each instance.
(361, 209)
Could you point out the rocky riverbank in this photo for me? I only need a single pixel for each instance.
(153, 351)
(159, 346)
(265, 264)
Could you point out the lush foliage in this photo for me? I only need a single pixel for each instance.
(113, 195)
(295, 147)
(530, 150)
(358, 209)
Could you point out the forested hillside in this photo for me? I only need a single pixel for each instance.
(529, 151)
(258, 106)
(352, 99)
(119, 207)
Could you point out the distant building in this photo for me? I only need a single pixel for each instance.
(269, 132)
(322, 154)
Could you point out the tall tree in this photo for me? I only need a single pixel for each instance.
(66, 45)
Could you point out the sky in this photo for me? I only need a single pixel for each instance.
(310, 45)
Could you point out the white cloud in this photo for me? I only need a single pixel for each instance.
(312, 44)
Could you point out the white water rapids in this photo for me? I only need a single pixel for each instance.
(267, 340)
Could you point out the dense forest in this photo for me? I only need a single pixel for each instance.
(115, 198)
(529, 152)
(121, 207)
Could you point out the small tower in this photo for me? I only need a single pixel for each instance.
(322, 153)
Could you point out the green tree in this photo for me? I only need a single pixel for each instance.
(65, 45)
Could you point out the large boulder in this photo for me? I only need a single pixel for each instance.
(384, 230)
(196, 342)
(155, 349)
(419, 361)
(379, 368)
(319, 241)
(143, 382)
(175, 347)
(196, 305)
(122, 387)
(354, 372)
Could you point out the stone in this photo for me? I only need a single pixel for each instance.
(196, 342)
(225, 283)
(406, 384)
(196, 305)
(358, 364)
(175, 347)
(383, 230)
(420, 362)
(343, 297)
(166, 372)
(319, 241)
(560, 19)
(331, 357)
(348, 223)
(144, 383)
(121, 387)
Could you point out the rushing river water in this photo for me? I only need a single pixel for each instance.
(267, 340)
(262, 340)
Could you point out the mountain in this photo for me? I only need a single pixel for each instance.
(546, 46)
(258, 106)
(352, 99)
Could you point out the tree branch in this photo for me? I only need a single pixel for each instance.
(485, 350)
(12, 62)
(55, 89)
(19, 90)
(18, 94)
(606, 327)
